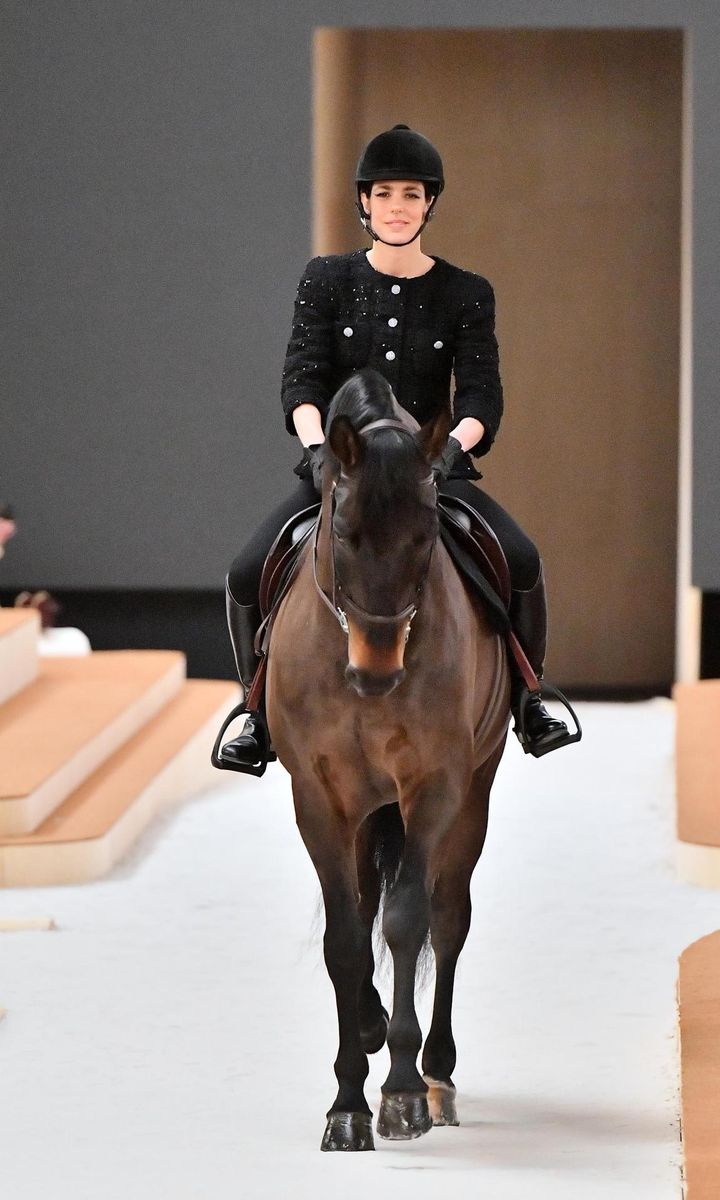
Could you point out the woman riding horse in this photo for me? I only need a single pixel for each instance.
(416, 319)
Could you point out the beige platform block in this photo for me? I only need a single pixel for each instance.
(19, 633)
(697, 757)
(699, 1013)
(167, 761)
(57, 731)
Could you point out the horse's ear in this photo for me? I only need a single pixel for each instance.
(346, 443)
(432, 437)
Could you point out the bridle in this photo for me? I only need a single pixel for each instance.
(338, 593)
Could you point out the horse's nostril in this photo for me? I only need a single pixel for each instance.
(367, 684)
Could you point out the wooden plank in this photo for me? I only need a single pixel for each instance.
(22, 924)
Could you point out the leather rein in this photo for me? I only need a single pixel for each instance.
(338, 593)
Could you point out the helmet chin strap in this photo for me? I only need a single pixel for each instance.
(365, 222)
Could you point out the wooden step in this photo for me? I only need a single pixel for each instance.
(78, 712)
(699, 1015)
(167, 761)
(19, 633)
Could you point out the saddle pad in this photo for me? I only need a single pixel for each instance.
(283, 554)
(487, 551)
(478, 556)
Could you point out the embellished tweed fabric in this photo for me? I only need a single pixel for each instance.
(416, 332)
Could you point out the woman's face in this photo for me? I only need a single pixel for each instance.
(397, 208)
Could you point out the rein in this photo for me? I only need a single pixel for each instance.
(337, 591)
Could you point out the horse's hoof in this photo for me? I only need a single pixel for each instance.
(348, 1131)
(403, 1116)
(374, 1038)
(441, 1102)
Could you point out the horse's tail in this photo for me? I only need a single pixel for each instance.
(387, 840)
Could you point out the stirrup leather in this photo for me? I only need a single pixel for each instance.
(520, 729)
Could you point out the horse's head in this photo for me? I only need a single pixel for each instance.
(384, 526)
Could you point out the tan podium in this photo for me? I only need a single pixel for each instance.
(699, 1020)
(697, 768)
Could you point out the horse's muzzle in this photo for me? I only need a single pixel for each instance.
(366, 683)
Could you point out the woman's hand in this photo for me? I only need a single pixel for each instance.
(310, 466)
(443, 466)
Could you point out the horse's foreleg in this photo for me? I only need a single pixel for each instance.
(330, 847)
(349, 1116)
(373, 1017)
(449, 925)
(404, 1110)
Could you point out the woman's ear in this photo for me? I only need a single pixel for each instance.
(346, 444)
(432, 437)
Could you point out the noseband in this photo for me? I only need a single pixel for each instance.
(338, 592)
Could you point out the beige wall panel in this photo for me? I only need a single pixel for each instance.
(562, 151)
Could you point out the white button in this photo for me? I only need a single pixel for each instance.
(395, 289)
(390, 354)
(392, 322)
(437, 345)
(348, 331)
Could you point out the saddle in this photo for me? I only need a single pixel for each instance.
(469, 540)
(282, 558)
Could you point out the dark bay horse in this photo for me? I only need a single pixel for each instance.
(388, 703)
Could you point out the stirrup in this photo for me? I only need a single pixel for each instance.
(265, 753)
(567, 739)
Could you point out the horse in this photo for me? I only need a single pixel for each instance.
(388, 703)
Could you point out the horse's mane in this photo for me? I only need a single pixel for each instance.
(393, 461)
(366, 396)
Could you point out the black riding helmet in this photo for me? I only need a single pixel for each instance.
(399, 153)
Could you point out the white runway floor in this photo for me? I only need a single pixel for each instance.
(175, 1037)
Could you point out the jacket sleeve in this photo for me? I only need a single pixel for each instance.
(308, 362)
(478, 389)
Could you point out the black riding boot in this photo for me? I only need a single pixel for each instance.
(243, 623)
(537, 732)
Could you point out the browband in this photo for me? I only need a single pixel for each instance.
(385, 423)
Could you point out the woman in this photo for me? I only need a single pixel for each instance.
(416, 319)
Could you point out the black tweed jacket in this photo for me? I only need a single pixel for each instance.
(415, 332)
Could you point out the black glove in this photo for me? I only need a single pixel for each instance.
(454, 463)
(443, 466)
(311, 464)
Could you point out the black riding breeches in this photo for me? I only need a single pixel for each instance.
(244, 574)
(520, 552)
